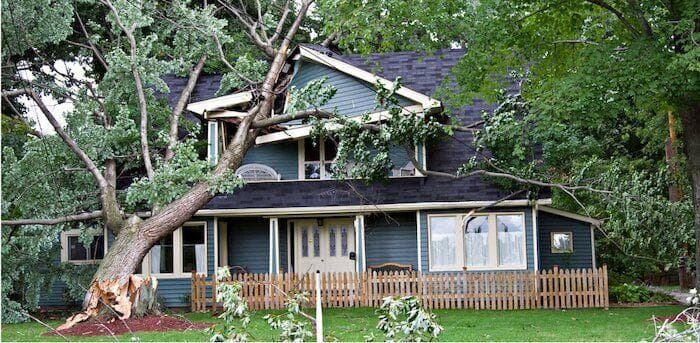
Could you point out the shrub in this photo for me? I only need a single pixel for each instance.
(631, 293)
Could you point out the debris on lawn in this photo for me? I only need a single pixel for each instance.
(108, 326)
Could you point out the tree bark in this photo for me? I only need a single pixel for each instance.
(690, 118)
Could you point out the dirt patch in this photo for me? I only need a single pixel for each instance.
(110, 326)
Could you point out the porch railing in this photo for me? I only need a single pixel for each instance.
(556, 288)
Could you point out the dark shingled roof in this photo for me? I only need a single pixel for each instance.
(422, 72)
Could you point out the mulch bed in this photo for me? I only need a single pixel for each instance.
(106, 326)
(685, 318)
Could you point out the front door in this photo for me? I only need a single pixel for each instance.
(324, 247)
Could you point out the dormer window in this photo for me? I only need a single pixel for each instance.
(317, 158)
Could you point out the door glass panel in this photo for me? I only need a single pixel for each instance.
(304, 242)
(331, 241)
(511, 250)
(476, 241)
(317, 242)
(344, 240)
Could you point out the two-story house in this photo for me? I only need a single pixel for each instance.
(291, 216)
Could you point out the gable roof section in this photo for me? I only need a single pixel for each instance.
(322, 57)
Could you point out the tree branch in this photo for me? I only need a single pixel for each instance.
(618, 14)
(101, 181)
(252, 32)
(180, 106)
(54, 221)
(483, 172)
(143, 106)
(91, 45)
(267, 122)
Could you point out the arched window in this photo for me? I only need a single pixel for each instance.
(257, 172)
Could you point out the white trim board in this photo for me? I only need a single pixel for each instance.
(291, 211)
(570, 215)
(221, 102)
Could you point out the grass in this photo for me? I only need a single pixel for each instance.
(619, 324)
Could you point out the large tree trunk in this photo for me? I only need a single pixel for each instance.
(691, 136)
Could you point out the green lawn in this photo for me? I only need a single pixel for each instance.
(623, 324)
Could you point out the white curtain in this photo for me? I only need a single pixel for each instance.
(477, 249)
(155, 259)
(200, 256)
(510, 248)
(443, 241)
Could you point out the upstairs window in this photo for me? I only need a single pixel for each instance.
(317, 158)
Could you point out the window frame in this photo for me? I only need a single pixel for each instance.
(178, 273)
(65, 254)
(321, 160)
(551, 241)
(493, 242)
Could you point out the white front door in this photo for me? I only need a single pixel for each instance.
(326, 248)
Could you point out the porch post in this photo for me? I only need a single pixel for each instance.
(360, 262)
(274, 262)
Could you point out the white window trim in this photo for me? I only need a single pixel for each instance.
(178, 273)
(493, 243)
(64, 247)
(551, 236)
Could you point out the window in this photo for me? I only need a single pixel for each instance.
(477, 242)
(193, 249)
(511, 238)
(74, 251)
(443, 243)
(317, 158)
(179, 253)
(162, 253)
(562, 243)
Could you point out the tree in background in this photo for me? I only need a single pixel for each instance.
(599, 77)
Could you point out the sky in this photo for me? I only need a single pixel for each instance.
(58, 109)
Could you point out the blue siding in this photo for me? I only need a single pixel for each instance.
(529, 249)
(391, 237)
(582, 256)
(282, 157)
(353, 97)
(249, 243)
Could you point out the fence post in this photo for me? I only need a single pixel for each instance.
(319, 313)
(606, 299)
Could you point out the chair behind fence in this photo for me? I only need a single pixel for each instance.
(557, 288)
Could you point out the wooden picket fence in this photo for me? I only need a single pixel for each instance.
(556, 289)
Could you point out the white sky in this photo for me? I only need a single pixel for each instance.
(58, 109)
